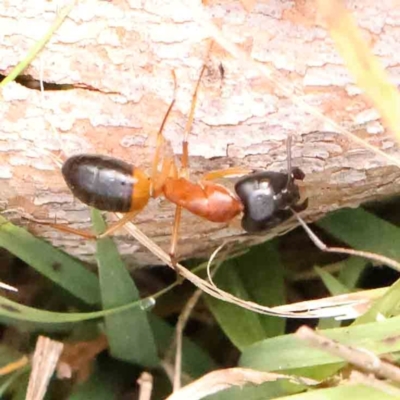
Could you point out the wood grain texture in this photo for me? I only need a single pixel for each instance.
(119, 55)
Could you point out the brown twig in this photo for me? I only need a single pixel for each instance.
(8, 287)
(361, 358)
(145, 383)
(44, 361)
(217, 381)
(180, 327)
(344, 310)
(354, 304)
(371, 381)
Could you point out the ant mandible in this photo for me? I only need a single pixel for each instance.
(109, 184)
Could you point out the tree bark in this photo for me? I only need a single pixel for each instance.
(118, 57)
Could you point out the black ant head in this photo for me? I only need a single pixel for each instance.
(268, 197)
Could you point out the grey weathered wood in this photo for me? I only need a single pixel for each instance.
(123, 52)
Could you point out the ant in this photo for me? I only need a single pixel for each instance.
(109, 184)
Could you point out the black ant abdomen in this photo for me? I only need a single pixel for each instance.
(106, 183)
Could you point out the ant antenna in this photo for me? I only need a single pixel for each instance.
(289, 158)
(383, 260)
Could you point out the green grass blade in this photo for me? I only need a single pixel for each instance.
(268, 390)
(38, 46)
(102, 385)
(11, 380)
(342, 393)
(8, 355)
(351, 270)
(334, 286)
(364, 231)
(20, 387)
(387, 306)
(54, 264)
(287, 353)
(195, 361)
(256, 276)
(129, 334)
(349, 275)
(328, 323)
(13, 311)
(18, 312)
(242, 327)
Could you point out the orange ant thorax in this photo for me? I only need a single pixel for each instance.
(207, 200)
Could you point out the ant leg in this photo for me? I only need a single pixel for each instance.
(184, 171)
(300, 207)
(224, 173)
(289, 153)
(157, 178)
(85, 234)
(68, 229)
(119, 224)
(175, 235)
(61, 228)
(168, 169)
